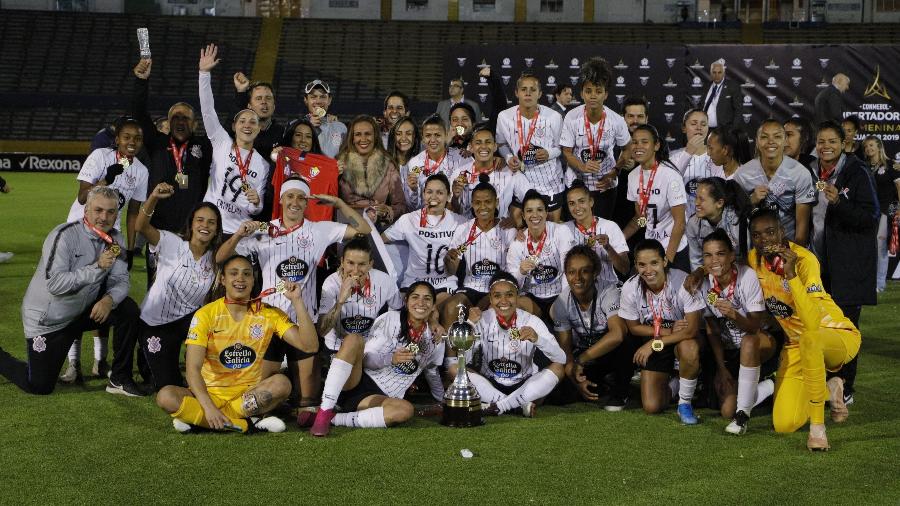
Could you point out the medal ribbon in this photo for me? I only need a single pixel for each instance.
(256, 302)
(178, 155)
(507, 324)
(365, 291)
(594, 144)
(776, 265)
(588, 233)
(276, 231)
(472, 235)
(476, 174)
(532, 250)
(729, 292)
(416, 335)
(657, 315)
(825, 176)
(101, 234)
(243, 165)
(526, 141)
(644, 195)
(429, 170)
(423, 218)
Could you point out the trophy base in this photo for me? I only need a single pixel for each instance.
(462, 416)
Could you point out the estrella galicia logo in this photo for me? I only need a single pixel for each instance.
(748, 102)
(484, 269)
(237, 356)
(504, 367)
(670, 100)
(292, 269)
(544, 274)
(574, 63)
(778, 309)
(696, 82)
(357, 324)
(770, 83)
(620, 82)
(409, 367)
(585, 155)
(645, 63)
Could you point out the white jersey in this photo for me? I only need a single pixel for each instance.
(508, 363)
(395, 380)
(361, 309)
(673, 301)
(293, 257)
(590, 325)
(510, 186)
(428, 246)
(449, 163)
(616, 240)
(693, 168)
(547, 278)
(615, 133)
(547, 177)
(131, 184)
(667, 192)
(181, 282)
(791, 184)
(485, 256)
(224, 188)
(747, 298)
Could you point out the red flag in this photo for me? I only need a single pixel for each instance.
(320, 171)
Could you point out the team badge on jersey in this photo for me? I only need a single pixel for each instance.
(153, 344)
(504, 367)
(369, 301)
(292, 269)
(237, 356)
(39, 344)
(196, 151)
(304, 241)
(256, 330)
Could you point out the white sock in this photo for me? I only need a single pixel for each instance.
(686, 389)
(334, 382)
(100, 348)
(764, 389)
(748, 378)
(486, 390)
(75, 351)
(367, 418)
(536, 387)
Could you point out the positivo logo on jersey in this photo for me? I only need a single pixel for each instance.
(237, 356)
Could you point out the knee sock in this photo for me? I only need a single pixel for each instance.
(764, 390)
(748, 379)
(100, 348)
(536, 387)
(486, 390)
(337, 376)
(191, 412)
(75, 351)
(367, 418)
(686, 389)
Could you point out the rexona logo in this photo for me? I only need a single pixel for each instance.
(51, 163)
(237, 356)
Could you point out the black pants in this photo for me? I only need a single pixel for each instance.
(47, 353)
(848, 372)
(161, 346)
(611, 373)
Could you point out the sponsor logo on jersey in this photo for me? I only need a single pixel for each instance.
(237, 356)
(357, 324)
(504, 367)
(484, 268)
(544, 274)
(292, 269)
(815, 288)
(778, 309)
(409, 367)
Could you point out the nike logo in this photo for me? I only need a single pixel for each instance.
(279, 243)
(79, 255)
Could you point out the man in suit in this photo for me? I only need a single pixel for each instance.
(456, 96)
(563, 96)
(724, 99)
(829, 103)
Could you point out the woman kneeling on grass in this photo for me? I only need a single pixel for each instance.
(226, 342)
(368, 379)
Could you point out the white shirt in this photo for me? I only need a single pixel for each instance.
(428, 246)
(712, 117)
(510, 186)
(587, 327)
(616, 240)
(447, 167)
(615, 133)
(791, 184)
(395, 380)
(361, 309)
(293, 257)
(693, 168)
(674, 301)
(224, 188)
(547, 177)
(485, 256)
(181, 282)
(131, 184)
(667, 192)
(747, 298)
(547, 278)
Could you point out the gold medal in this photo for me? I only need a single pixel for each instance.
(642, 222)
(245, 187)
(319, 112)
(534, 259)
(182, 179)
(412, 348)
(125, 163)
(514, 333)
(591, 241)
(820, 185)
(115, 249)
(657, 345)
(415, 171)
(263, 227)
(461, 249)
(712, 297)
(771, 249)
(460, 130)
(280, 286)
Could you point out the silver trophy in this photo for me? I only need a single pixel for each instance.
(143, 36)
(462, 404)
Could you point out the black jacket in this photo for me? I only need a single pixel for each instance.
(728, 109)
(172, 213)
(829, 106)
(850, 260)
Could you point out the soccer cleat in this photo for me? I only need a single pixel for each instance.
(839, 411)
(817, 440)
(100, 369)
(127, 388)
(322, 425)
(615, 403)
(490, 410)
(268, 424)
(848, 398)
(72, 374)
(739, 423)
(306, 416)
(686, 414)
(180, 426)
(529, 409)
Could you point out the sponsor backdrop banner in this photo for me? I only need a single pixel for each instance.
(777, 81)
(33, 162)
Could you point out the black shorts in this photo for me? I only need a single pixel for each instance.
(278, 348)
(733, 362)
(660, 361)
(506, 390)
(349, 399)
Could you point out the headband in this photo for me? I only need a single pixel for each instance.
(504, 281)
(294, 184)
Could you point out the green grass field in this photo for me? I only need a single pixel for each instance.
(82, 445)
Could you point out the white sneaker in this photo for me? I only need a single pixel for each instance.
(529, 409)
(181, 426)
(6, 256)
(70, 375)
(269, 424)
